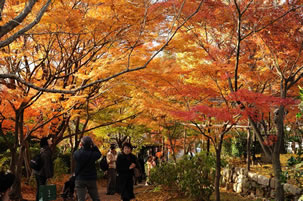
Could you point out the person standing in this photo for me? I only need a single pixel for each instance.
(6, 182)
(86, 173)
(150, 163)
(126, 162)
(111, 158)
(47, 169)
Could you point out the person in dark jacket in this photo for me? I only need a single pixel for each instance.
(47, 170)
(86, 173)
(126, 162)
(6, 182)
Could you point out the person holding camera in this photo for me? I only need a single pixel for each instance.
(86, 179)
(47, 164)
(6, 182)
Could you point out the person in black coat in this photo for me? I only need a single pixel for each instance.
(6, 182)
(86, 173)
(126, 162)
(47, 170)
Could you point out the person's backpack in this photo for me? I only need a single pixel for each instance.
(36, 163)
(103, 164)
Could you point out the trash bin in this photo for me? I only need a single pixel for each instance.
(47, 192)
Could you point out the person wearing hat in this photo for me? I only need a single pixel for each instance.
(86, 173)
(6, 182)
(47, 169)
(111, 158)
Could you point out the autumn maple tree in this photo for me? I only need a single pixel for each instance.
(69, 58)
(248, 49)
(245, 45)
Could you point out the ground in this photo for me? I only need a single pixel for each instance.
(142, 193)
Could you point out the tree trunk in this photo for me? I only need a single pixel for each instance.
(248, 148)
(208, 146)
(282, 147)
(26, 160)
(218, 174)
(184, 145)
(276, 154)
(16, 192)
(13, 159)
(277, 171)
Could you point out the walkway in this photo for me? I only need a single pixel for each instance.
(103, 197)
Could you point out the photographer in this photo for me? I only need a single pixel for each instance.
(6, 182)
(86, 179)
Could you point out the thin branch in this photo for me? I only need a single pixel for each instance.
(12, 76)
(10, 25)
(176, 18)
(140, 34)
(203, 133)
(247, 6)
(299, 55)
(2, 3)
(272, 22)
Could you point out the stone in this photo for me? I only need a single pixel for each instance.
(254, 184)
(238, 170)
(235, 187)
(272, 193)
(240, 179)
(250, 174)
(286, 187)
(259, 192)
(245, 189)
(244, 171)
(239, 188)
(273, 183)
(294, 190)
(253, 176)
(234, 177)
(263, 180)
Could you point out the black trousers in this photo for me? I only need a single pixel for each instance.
(111, 182)
(40, 180)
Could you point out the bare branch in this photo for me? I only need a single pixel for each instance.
(2, 3)
(15, 77)
(16, 22)
(245, 9)
(110, 123)
(272, 22)
(12, 24)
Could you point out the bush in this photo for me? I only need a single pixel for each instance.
(66, 159)
(158, 175)
(239, 147)
(60, 167)
(192, 176)
(5, 161)
(227, 147)
(196, 176)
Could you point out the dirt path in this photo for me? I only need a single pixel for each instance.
(29, 192)
(140, 188)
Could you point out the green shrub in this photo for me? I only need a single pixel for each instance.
(192, 176)
(66, 159)
(60, 167)
(227, 147)
(5, 161)
(196, 176)
(159, 175)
